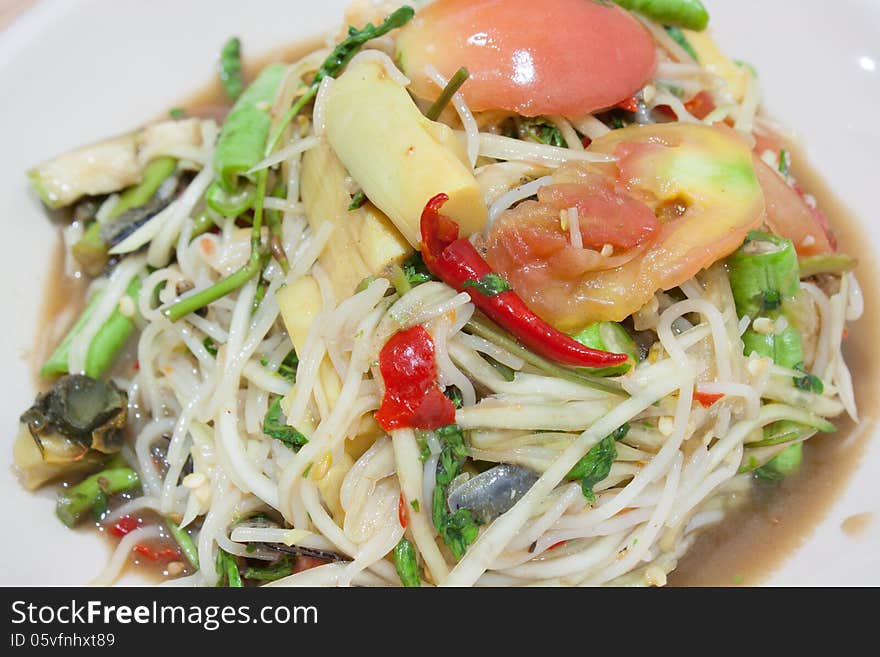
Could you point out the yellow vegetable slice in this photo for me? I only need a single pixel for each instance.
(398, 157)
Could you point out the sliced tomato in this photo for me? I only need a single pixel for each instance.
(790, 216)
(607, 214)
(699, 183)
(566, 57)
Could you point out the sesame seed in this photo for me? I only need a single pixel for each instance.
(195, 480)
(126, 306)
(763, 325)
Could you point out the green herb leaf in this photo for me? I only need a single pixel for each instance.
(230, 68)
(424, 450)
(347, 49)
(101, 506)
(415, 505)
(541, 131)
(177, 112)
(453, 394)
(275, 427)
(458, 529)
(406, 563)
(357, 201)
(490, 285)
(287, 369)
(596, 465)
(416, 271)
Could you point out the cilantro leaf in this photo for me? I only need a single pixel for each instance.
(416, 271)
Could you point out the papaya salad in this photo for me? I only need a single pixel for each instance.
(453, 300)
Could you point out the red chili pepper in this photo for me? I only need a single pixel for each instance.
(455, 261)
(556, 545)
(124, 525)
(701, 105)
(165, 554)
(412, 397)
(402, 514)
(707, 398)
(631, 104)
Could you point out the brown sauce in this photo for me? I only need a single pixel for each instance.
(855, 526)
(753, 540)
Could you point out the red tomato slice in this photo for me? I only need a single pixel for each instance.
(606, 213)
(790, 216)
(699, 183)
(566, 57)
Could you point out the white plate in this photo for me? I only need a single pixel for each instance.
(71, 73)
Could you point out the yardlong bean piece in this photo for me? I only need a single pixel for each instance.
(105, 346)
(75, 502)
